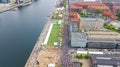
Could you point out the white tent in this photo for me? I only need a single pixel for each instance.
(51, 65)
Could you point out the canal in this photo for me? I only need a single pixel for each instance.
(19, 31)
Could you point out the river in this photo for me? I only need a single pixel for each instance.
(19, 31)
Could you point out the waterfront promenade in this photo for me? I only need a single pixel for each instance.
(32, 60)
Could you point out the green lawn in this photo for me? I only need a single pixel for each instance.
(54, 35)
(82, 15)
(111, 27)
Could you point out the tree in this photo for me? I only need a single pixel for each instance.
(109, 26)
(99, 11)
(79, 56)
(86, 56)
(84, 9)
(118, 13)
(81, 64)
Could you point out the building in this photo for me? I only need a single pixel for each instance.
(74, 21)
(75, 8)
(116, 24)
(4, 1)
(75, 1)
(115, 9)
(111, 1)
(76, 64)
(78, 39)
(95, 39)
(79, 6)
(109, 14)
(104, 60)
(103, 36)
(92, 5)
(101, 45)
(118, 46)
(92, 24)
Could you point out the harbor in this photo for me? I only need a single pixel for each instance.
(7, 7)
(20, 30)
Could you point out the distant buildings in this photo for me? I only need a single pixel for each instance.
(4, 1)
(109, 14)
(94, 39)
(115, 9)
(105, 60)
(74, 1)
(88, 5)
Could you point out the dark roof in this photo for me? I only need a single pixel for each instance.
(101, 45)
(105, 59)
(118, 47)
(76, 64)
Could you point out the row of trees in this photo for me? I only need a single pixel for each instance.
(79, 56)
(118, 15)
(86, 10)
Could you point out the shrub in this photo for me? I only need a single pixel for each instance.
(79, 56)
(86, 56)
(81, 64)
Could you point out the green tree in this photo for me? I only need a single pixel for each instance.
(109, 26)
(86, 56)
(118, 13)
(99, 11)
(81, 64)
(79, 56)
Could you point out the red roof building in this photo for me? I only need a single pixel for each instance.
(75, 18)
(89, 5)
(109, 14)
(74, 7)
(115, 9)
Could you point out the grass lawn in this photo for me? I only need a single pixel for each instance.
(111, 27)
(82, 15)
(54, 35)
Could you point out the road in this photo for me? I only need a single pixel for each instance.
(65, 57)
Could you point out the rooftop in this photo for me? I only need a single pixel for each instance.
(76, 64)
(74, 17)
(116, 7)
(105, 60)
(73, 6)
(90, 5)
(101, 45)
(78, 39)
(109, 14)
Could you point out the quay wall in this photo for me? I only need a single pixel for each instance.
(32, 60)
